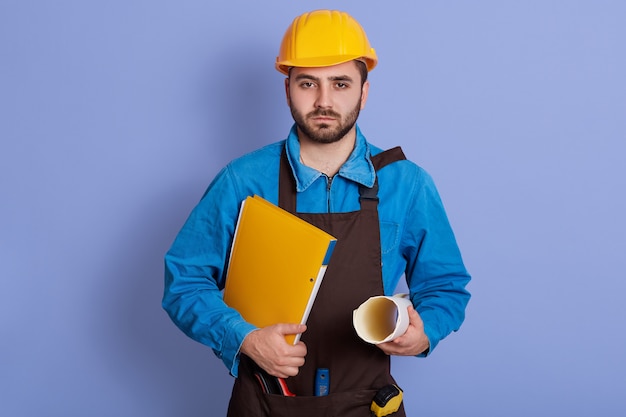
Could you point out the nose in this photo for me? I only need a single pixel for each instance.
(323, 99)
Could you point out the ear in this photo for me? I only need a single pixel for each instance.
(364, 91)
(287, 96)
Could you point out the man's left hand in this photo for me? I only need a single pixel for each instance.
(413, 342)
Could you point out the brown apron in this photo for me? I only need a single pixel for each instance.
(357, 369)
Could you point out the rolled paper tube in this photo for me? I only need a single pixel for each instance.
(381, 319)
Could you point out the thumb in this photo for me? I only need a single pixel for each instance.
(414, 317)
(290, 328)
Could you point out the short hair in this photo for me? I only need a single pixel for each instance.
(362, 67)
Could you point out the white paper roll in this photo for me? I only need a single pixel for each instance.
(382, 318)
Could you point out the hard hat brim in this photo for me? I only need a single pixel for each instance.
(327, 61)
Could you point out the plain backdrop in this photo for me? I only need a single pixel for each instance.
(115, 116)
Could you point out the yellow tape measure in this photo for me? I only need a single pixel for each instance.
(386, 401)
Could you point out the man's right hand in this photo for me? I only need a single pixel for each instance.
(269, 349)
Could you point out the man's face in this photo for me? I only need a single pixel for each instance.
(325, 102)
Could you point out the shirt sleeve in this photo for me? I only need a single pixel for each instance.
(435, 272)
(195, 273)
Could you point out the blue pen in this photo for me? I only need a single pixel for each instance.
(322, 382)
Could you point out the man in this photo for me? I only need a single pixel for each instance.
(384, 210)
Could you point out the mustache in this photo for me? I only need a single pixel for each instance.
(321, 112)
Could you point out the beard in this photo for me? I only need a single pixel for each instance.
(324, 133)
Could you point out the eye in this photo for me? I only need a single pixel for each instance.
(307, 84)
(342, 85)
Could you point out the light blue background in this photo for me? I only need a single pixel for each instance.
(115, 115)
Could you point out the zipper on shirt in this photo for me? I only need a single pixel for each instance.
(329, 183)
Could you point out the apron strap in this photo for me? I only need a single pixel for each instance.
(368, 197)
(286, 185)
(385, 158)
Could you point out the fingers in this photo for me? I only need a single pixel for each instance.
(413, 342)
(398, 346)
(289, 364)
(269, 349)
(286, 360)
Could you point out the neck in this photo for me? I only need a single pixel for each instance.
(326, 157)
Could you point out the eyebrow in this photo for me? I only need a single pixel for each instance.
(301, 77)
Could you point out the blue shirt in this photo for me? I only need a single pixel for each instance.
(416, 240)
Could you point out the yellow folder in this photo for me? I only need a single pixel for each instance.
(276, 265)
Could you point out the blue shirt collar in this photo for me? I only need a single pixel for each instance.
(357, 168)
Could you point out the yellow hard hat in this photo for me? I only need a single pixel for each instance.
(322, 38)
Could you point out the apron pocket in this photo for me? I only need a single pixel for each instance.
(343, 404)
